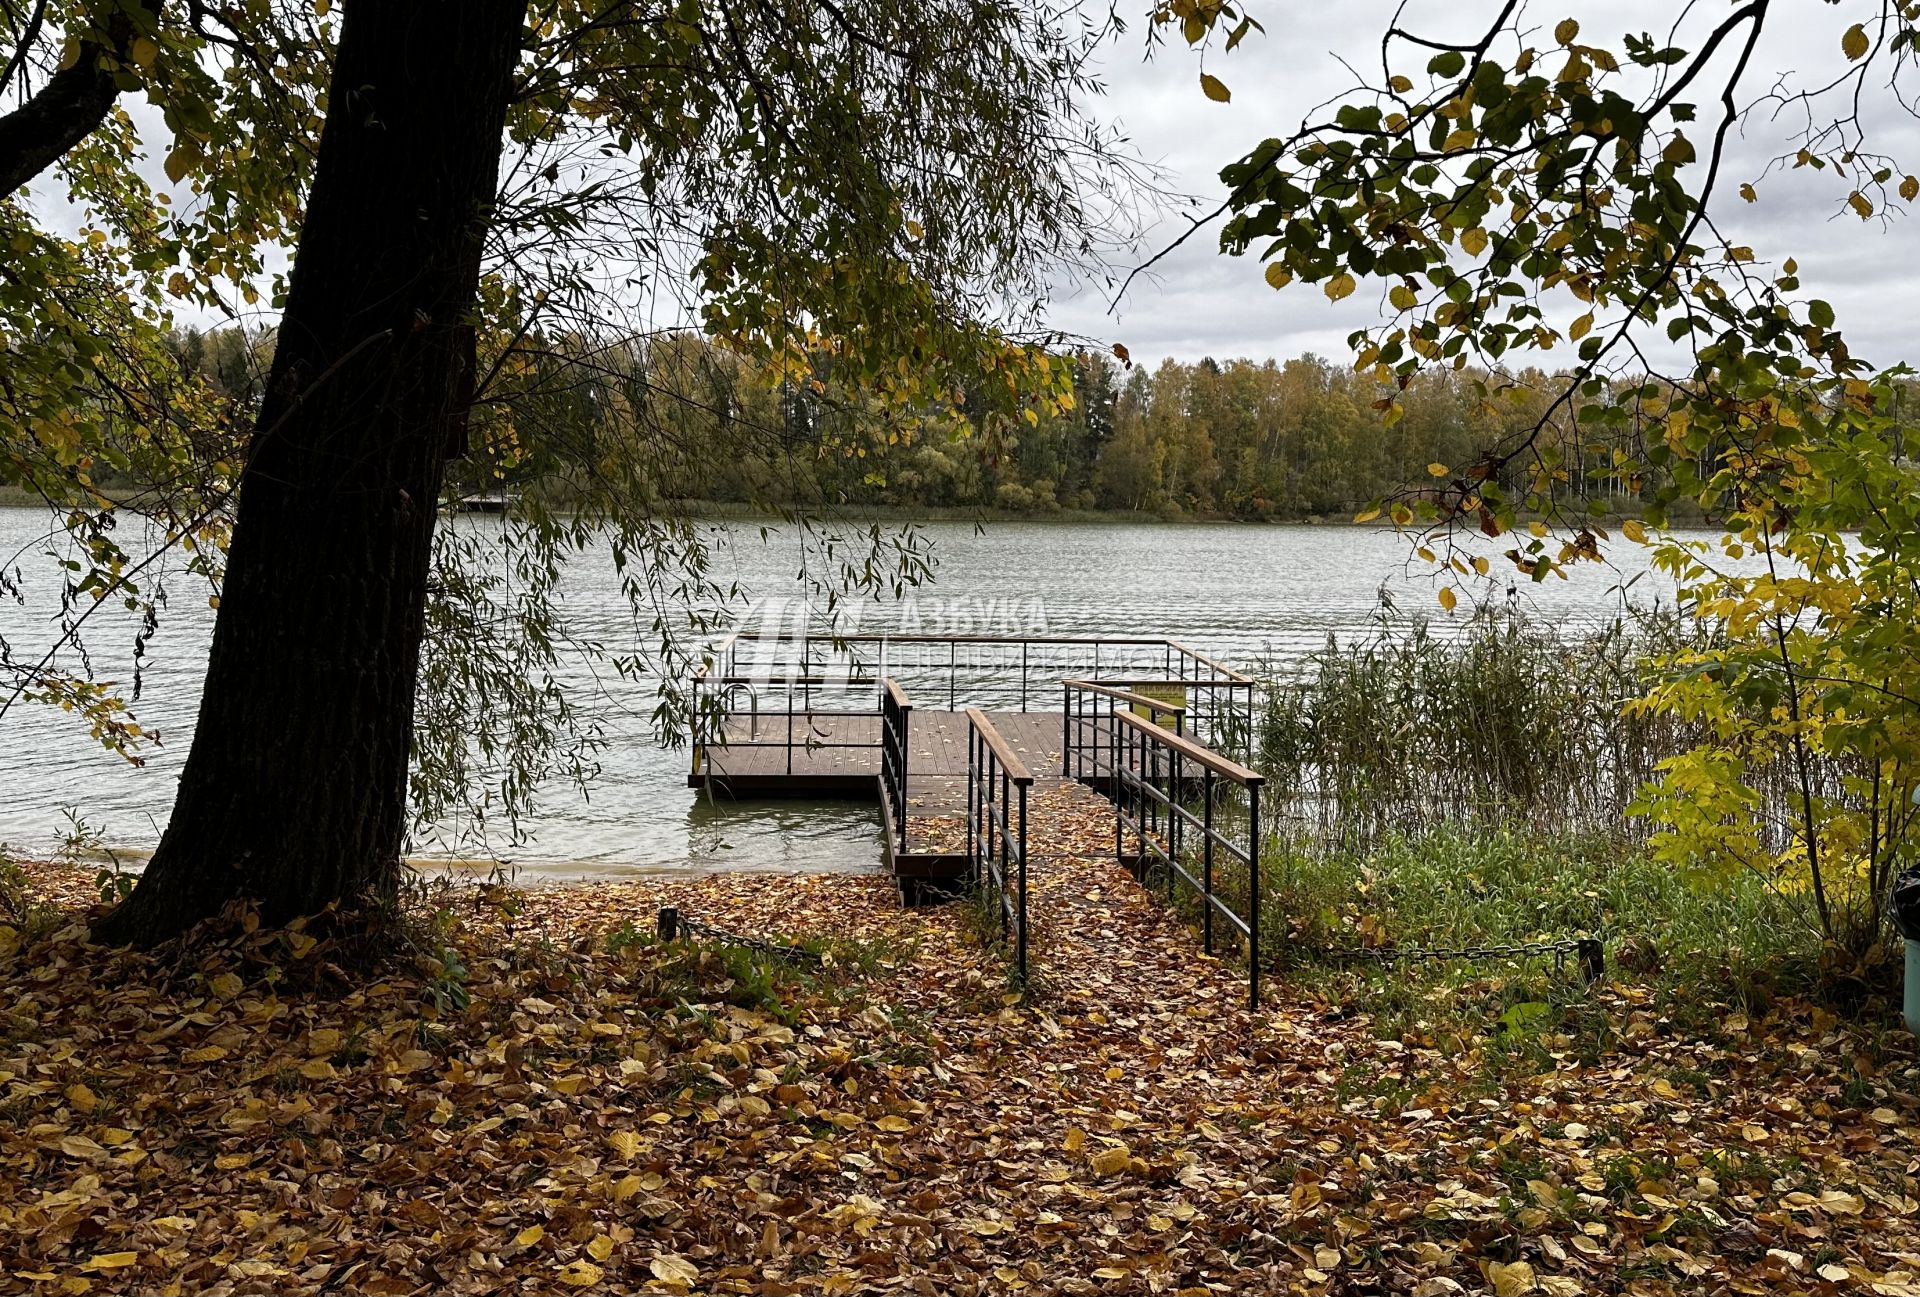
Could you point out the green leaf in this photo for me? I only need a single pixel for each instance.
(1854, 43)
(1820, 313)
(184, 156)
(1447, 63)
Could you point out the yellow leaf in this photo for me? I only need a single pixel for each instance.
(1341, 285)
(600, 1247)
(180, 160)
(1747, 192)
(1567, 29)
(1278, 276)
(1910, 188)
(672, 1269)
(205, 1054)
(316, 1069)
(1854, 43)
(1076, 1139)
(1580, 327)
(1462, 138)
(111, 1260)
(530, 1235)
(1447, 598)
(1366, 515)
(1111, 1161)
(625, 1143)
(1860, 203)
(1634, 531)
(580, 1274)
(83, 1100)
(1109, 1272)
(894, 1125)
(143, 52)
(1474, 241)
(226, 986)
(1214, 88)
(1437, 469)
(1480, 564)
(1512, 1280)
(1403, 297)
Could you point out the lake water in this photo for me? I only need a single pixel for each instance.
(1238, 593)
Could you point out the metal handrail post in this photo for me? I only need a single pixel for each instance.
(1253, 894)
(1173, 820)
(1020, 957)
(1067, 720)
(973, 813)
(1001, 809)
(1206, 854)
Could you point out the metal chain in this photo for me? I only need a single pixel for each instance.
(673, 924)
(1591, 951)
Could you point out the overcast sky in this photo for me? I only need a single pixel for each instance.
(1203, 303)
(1199, 302)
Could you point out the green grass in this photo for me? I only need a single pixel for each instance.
(1701, 948)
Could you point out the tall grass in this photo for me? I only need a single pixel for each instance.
(1503, 722)
(1472, 786)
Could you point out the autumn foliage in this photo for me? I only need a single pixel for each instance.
(536, 1096)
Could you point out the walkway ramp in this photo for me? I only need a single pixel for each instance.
(1128, 767)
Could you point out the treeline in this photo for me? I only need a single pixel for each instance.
(1243, 439)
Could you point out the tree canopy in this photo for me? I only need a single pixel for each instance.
(1512, 188)
(860, 192)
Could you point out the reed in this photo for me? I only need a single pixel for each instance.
(1504, 721)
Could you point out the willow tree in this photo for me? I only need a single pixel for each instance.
(1519, 191)
(497, 195)
(135, 457)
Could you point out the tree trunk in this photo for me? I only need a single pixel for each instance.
(294, 793)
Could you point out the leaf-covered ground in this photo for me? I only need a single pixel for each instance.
(565, 1104)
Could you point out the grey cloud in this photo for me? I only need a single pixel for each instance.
(1201, 303)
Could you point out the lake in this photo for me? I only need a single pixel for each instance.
(1240, 593)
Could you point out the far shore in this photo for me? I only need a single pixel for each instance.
(13, 497)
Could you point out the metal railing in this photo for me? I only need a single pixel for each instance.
(1085, 731)
(997, 787)
(896, 722)
(1003, 671)
(1153, 776)
(790, 719)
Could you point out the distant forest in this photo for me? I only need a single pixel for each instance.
(1249, 439)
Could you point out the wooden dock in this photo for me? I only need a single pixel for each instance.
(807, 717)
(1052, 737)
(838, 754)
